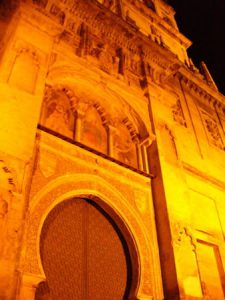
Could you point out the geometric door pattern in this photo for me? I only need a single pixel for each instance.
(84, 254)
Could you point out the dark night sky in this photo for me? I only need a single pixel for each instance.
(203, 22)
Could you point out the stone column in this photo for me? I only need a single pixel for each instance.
(80, 115)
(111, 134)
(144, 145)
(29, 284)
(139, 155)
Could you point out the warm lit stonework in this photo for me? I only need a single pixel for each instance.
(112, 155)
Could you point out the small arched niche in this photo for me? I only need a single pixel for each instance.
(25, 70)
(56, 112)
(87, 253)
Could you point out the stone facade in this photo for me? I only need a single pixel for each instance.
(99, 100)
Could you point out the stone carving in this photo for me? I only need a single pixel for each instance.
(124, 147)
(155, 35)
(106, 60)
(178, 114)
(95, 49)
(57, 112)
(116, 33)
(93, 133)
(183, 235)
(58, 14)
(133, 68)
(58, 120)
(134, 64)
(101, 52)
(212, 130)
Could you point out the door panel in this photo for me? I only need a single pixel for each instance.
(84, 254)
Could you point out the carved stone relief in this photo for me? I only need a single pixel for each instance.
(57, 113)
(212, 130)
(155, 35)
(178, 114)
(182, 235)
(58, 14)
(97, 24)
(105, 55)
(93, 132)
(125, 148)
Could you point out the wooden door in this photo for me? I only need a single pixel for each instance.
(84, 254)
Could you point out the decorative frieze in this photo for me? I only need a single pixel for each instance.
(98, 25)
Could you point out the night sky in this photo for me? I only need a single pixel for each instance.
(203, 22)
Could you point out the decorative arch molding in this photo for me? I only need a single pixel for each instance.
(78, 79)
(89, 186)
(114, 130)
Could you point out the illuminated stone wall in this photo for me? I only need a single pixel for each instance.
(100, 100)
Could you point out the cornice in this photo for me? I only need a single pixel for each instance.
(198, 87)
